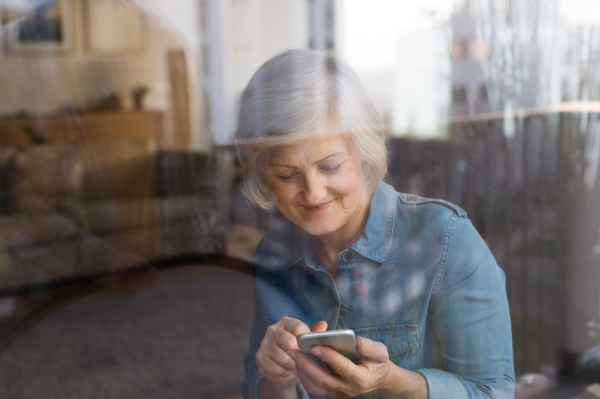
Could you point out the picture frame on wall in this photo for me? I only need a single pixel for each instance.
(113, 27)
(39, 28)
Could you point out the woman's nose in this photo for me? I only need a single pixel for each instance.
(315, 189)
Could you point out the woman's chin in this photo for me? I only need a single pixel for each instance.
(317, 229)
(316, 224)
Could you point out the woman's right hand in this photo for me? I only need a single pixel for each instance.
(276, 367)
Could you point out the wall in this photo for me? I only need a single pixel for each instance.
(46, 84)
(250, 32)
(262, 28)
(254, 31)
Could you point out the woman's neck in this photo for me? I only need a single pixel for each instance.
(328, 247)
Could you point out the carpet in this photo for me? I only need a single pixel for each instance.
(184, 337)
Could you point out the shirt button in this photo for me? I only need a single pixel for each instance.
(348, 256)
(412, 198)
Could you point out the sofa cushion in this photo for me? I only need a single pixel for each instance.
(6, 271)
(7, 155)
(111, 216)
(185, 207)
(26, 201)
(118, 169)
(45, 178)
(45, 263)
(52, 170)
(24, 230)
(144, 242)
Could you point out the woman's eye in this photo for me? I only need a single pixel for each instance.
(331, 169)
(288, 177)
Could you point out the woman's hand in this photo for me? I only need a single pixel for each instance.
(276, 367)
(373, 373)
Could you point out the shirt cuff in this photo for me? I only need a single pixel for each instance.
(443, 385)
(253, 390)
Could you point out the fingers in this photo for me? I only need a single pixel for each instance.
(279, 356)
(345, 378)
(271, 358)
(271, 368)
(319, 326)
(283, 338)
(274, 369)
(341, 365)
(294, 326)
(316, 379)
(371, 351)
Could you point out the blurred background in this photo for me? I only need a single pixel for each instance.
(126, 247)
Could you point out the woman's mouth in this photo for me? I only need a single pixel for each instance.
(318, 208)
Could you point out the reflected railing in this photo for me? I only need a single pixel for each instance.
(530, 184)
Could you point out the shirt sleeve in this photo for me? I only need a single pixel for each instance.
(259, 326)
(470, 318)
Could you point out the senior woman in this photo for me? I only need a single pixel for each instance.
(410, 275)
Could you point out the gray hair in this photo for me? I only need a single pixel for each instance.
(295, 94)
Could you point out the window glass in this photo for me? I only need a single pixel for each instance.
(183, 183)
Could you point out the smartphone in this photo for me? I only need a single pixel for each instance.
(342, 341)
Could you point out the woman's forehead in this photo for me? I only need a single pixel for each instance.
(312, 150)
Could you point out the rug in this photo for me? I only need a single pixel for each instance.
(184, 337)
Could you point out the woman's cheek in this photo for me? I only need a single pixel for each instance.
(283, 192)
(346, 182)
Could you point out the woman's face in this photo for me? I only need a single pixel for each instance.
(318, 185)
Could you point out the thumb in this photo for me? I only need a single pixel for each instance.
(319, 326)
(372, 350)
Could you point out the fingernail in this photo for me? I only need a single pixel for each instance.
(292, 355)
(315, 352)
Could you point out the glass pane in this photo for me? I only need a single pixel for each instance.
(178, 176)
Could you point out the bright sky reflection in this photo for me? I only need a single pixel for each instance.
(371, 30)
(580, 12)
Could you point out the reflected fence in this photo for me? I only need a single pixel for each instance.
(530, 185)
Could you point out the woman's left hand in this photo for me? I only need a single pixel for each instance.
(372, 373)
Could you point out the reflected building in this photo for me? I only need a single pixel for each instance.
(468, 53)
(505, 56)
(421, 92)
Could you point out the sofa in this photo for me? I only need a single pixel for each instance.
(76, 209)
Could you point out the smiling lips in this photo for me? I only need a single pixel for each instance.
(318, 208)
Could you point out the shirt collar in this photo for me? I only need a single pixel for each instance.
(375, 241)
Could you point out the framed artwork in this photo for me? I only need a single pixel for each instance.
(113, 27)
(39, 28)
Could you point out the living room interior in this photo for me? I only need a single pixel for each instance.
(126, 246)
(106, 134)
(112, 184)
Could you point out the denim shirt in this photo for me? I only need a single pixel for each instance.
(420, 279)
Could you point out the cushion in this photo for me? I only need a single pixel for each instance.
(52, 169)
(109, 216)
(6, 272)
(185, 207)
(7, 155)
(118, 169)
(46, 263)
(144, 242)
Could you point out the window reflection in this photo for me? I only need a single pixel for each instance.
(119, 170)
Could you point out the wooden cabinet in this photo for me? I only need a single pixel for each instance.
(20, 132)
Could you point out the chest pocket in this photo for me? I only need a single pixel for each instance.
(401, 340)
